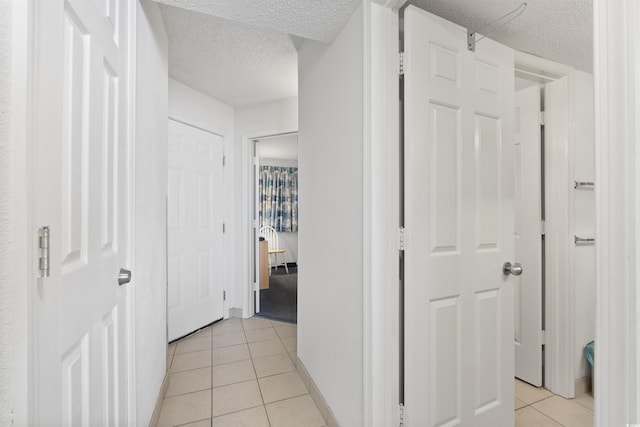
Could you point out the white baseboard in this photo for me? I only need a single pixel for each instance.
(317, 397)
(156, 411)
(583, 385)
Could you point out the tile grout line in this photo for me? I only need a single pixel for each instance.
(256, 374)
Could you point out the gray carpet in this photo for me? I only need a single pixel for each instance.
(280, 301)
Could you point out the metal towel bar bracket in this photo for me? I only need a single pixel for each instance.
(583, 184)
(579, 240)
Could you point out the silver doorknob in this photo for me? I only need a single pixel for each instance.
(513, 269)
(124, 277)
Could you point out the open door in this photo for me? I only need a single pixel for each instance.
(528, 236)
(459, 207)
(80, 186)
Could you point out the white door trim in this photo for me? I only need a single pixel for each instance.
(617, 194)
(381, 183)
(559, 282)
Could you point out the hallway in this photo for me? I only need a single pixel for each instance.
(238, 373)
(539, 407)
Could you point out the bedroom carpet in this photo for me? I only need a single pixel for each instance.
(280, 301)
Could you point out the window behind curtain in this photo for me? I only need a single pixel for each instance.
(279, 198)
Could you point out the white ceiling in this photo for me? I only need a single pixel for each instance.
(560, 30)
(243, 52)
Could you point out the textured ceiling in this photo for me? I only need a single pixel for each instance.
(243, 52)
(560, 30)
(238, 64)
(319, 20)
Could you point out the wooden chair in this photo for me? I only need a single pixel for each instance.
(271, 236)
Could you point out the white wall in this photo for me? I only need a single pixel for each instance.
(252, 122)
(195, 108)
(150, 219)
(6, 220)
(330, 149)
(584, 219)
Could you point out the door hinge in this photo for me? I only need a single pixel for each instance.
(224, 160)
(542, 120)
(543, 227)
(401, 414)
(401, 64)
(43, 246)
(224, 295)
(224, 227)
(401, 238)
(542, 337)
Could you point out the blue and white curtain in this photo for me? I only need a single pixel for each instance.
(279, 198)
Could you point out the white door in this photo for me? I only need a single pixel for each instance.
(459, 227)
(80, 190)
(195, 229)
(528, 236)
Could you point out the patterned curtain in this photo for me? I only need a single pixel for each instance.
(279, 198)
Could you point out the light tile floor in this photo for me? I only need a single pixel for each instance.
(242, 373)
(539, 407)
(238, 373)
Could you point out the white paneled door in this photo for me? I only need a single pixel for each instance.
(195, 229)
(80, 129)
(528, 236)
(459, 207)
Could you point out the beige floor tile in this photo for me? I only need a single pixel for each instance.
(273, 365)
(529, 417)
(229, 326)
(567, 412)
(254, 417)
(231, 354)
(203, 423)
(233, 372)
(282, 386)
(287, 331)
(290, 343)
(171, 349)
(188, 361)
(169, 361)
(236, 397)
(226, 340)
(261, 335)
(519, 403)
(189, 381)
(294, 356)
(277, 323)
(530, 394)
(586, 400)
(195, 343)
(297, 412)
(266, 348)
(185, 408)
(255, 323)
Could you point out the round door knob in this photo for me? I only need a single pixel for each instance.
(514, 269)
(124, 276)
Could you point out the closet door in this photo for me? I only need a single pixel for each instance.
(459, 206)
(195, 229)
(528, 236)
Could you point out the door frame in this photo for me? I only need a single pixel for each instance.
(559, 301)
(617, 193)
(248, 244)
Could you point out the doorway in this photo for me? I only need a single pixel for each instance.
(275, 195)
